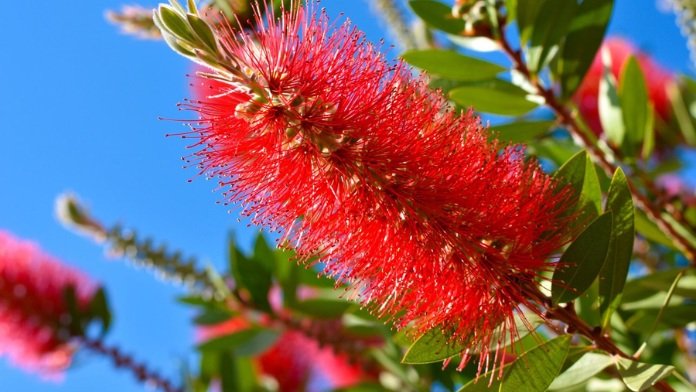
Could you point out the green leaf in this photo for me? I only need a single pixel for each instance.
(99, 310)
(610, 114)
(582, 41)
(202, 31)
(213, 316)
(437, 15)
(263, 253)
(253, 276)
(641, 288)
(526, 12)
(522, 131)
(582, 261)
(533, 371)
(247, 342)
(493, 96)
(433, 346)
(635, 106)
(588, 366)
(452, 65)
(648, 229)
(552, 22)
(174, 23)
(579, 172)
(322, 307)
(236, 374)
(613, 275)
(640, 376)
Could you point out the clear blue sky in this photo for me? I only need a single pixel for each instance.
(78, 111)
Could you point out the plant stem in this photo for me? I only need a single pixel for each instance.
(393, 16)
(601, 340)
(139, 370)
(599, 156)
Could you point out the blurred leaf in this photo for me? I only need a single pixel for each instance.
(582, 261)
(683, 98)
(550, 27)
(676, 315)
(521, 131)
(610, 114)
(532, 371)
(588, 366)
(174, 23)
(433, 346)
(660, 281)
(582, 41)
(635, 106)
(263, 253)
(452, 65)
(99, 310)
(437, 15)
(579, 172)
(251, 275)
(493, 96)
(511, 7)
(236, 374)
(322, 307)
(362, 387)
(613, 275)
(557, 151)
(213, 316)
(648, 229)
(640, 376)
(247, 342)
(526, 12)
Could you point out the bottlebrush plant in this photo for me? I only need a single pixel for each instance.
(409, 245)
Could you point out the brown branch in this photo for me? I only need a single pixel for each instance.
(599, 156)
(139, 370)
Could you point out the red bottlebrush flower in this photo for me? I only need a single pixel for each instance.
(657, 81)
(34, 315)
(355, 160)
(296, 362)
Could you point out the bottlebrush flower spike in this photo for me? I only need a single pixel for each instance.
(34, 315)
(353, 159)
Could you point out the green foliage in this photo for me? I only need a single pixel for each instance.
(522, 131)
(583, 39)
(533, 371)
(547, 36)
(636, 108)
(582, 261)
(452, 65)
(494, 96)
(580, 174)
(615, 270)
(438, 15)
(582, 370)
(641, 376)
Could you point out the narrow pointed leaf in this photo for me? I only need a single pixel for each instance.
(635, 106)
(437, 15)
(526, 12)
(582, 261)
(494, 96)
(588, 366)
(431, 347)
(612, 277)
(610, 114)
(452, 65)
(533, 371)
(584, 38)
(641, 376)
(522, 131)
(549, 31)
(579, 172)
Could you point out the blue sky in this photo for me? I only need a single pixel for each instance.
(79, 104)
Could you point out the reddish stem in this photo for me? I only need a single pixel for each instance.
(566, 118)
(139, 370)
